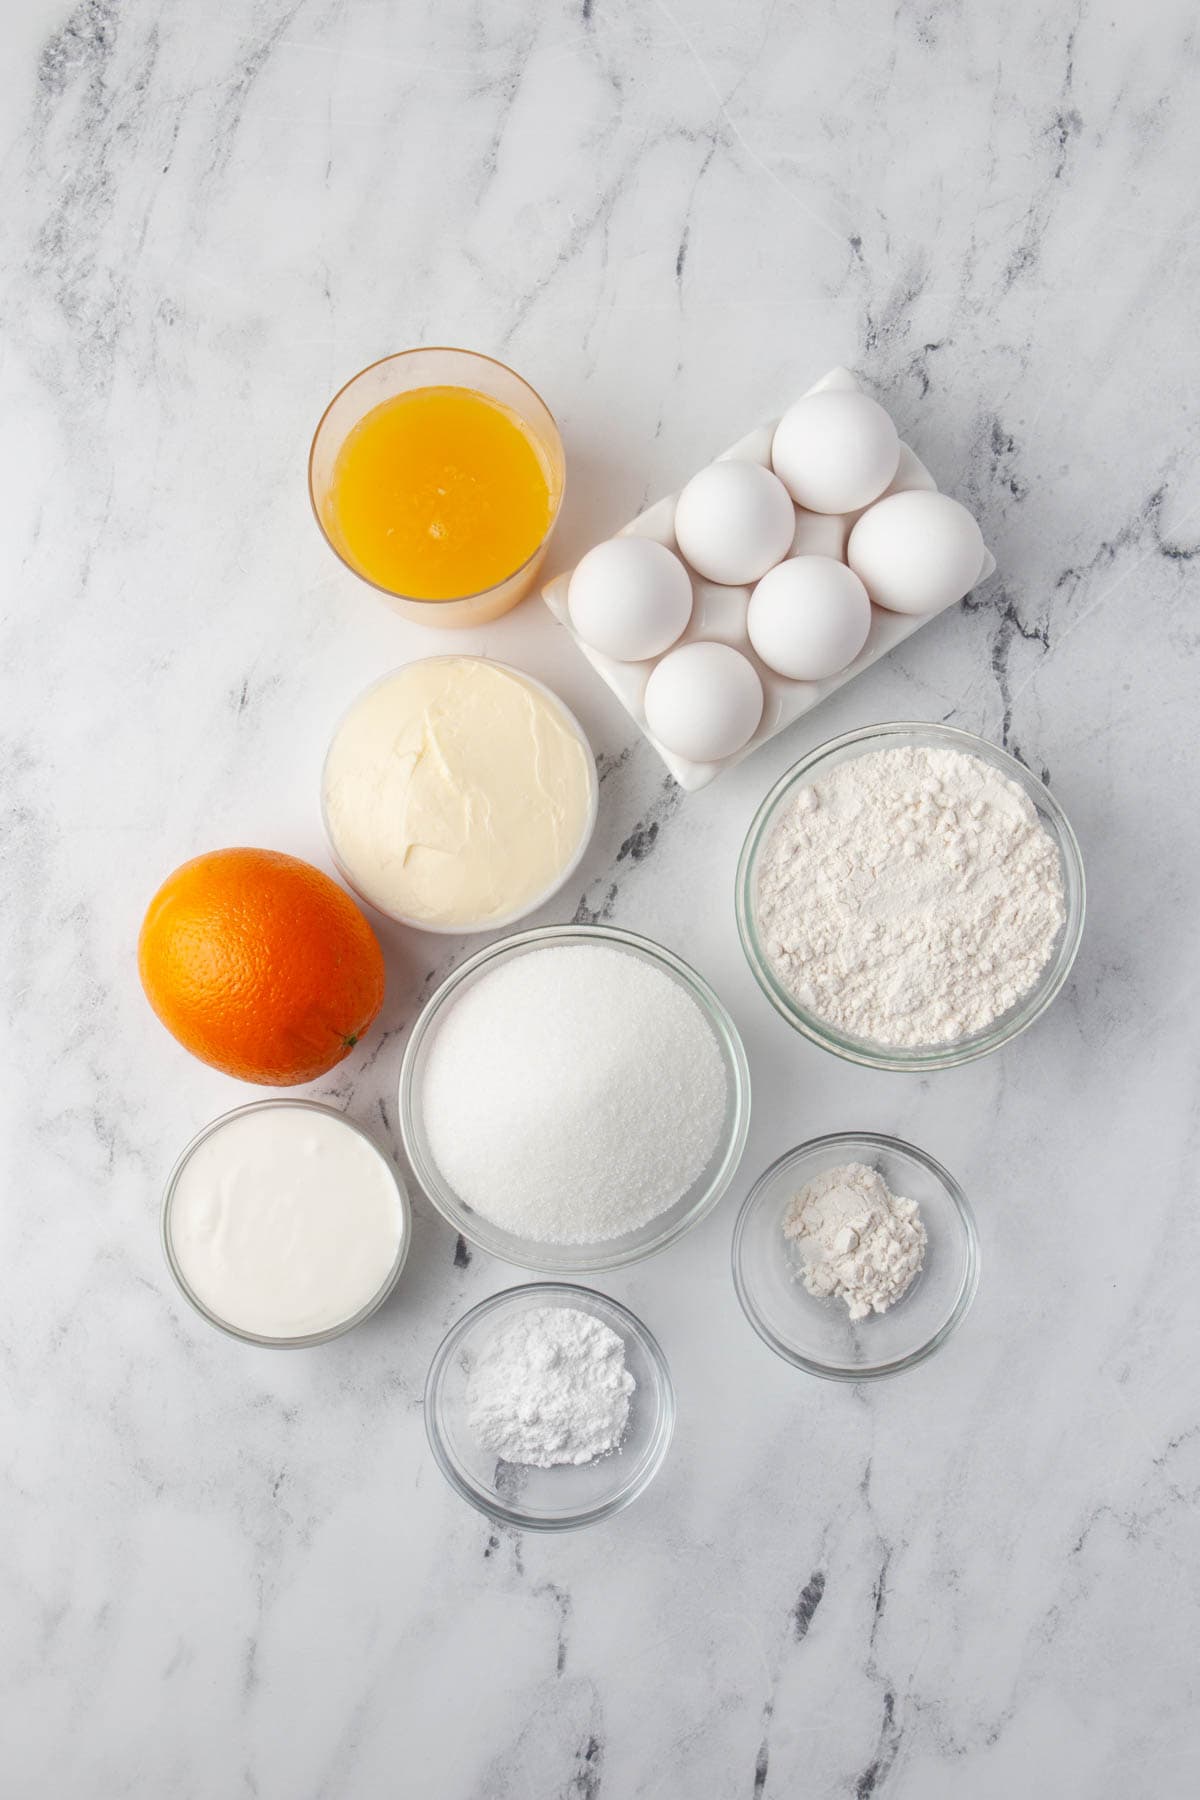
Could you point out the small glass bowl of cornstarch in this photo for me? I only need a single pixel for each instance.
(574, 1098)
(568, 1494)
(819, 1332)
(910, 897)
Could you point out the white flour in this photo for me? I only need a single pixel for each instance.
(855, 1238)
(910, 896)
(551, 1387)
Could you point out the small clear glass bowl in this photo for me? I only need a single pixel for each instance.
(465, 928)
(562, 1498)
(605, 1253)
(1010, 1024)
(315, 1337)
(818, 1335)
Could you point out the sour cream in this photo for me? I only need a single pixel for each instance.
(283, 1221)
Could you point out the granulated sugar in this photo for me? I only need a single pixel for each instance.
(573, 1094)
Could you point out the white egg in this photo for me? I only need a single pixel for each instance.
(630, 597)
(734, 521)
(704, 701)
(809, 617)
(916, 552)
(834, 451)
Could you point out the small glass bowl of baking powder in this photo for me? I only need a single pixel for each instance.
(949, 1054)
(561, 1498)
(818, 1334)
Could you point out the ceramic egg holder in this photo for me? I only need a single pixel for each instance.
(719, 613)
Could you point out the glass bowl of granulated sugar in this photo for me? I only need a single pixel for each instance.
(574, 1098)
(549, 1406)
(910, 897)
(855, 1256)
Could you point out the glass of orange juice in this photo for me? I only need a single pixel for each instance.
(437, 475)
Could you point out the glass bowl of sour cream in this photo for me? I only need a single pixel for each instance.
(285, 1224)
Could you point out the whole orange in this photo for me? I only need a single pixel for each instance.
(260, 965)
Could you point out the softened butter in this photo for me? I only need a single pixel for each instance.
(458, 794)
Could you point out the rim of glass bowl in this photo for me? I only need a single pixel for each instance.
(921, 1057)
(848, 1140)
(490, 1505)
(556, 512)
(560, 881)
(576, 1259)
(312, 1337)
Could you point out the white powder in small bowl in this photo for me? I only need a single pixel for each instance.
(551, 1387)
(573, 1094)
(856, 1239)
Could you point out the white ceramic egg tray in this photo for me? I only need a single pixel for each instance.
(719, 613)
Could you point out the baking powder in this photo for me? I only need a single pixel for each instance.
(551, 1387)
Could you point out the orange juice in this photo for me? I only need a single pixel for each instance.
(437, 493)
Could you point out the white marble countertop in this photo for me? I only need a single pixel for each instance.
(230, 1573)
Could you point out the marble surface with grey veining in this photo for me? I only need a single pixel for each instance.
(228, 1573)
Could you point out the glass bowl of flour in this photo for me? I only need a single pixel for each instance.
(811, 1322)
(910, 897)
(490, 1442)
(574, 1098)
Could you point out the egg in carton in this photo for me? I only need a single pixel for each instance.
(798, 558)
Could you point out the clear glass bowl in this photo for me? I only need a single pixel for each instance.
(438, 365)
(818, 1335)
(465, 928)
(316, 1337)
(607, 1253)
(1020, 1016)
(548, 1499)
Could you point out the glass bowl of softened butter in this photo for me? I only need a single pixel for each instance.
(458, 794)
(846, 898)
(839, 1225)
(473, 1417)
